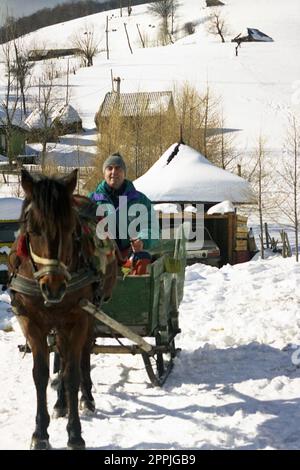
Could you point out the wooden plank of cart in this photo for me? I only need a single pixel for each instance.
(144, 309)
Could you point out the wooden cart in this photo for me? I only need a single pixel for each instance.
(144, 309)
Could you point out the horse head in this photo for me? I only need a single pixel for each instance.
(49, 222)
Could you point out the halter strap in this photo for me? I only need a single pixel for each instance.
(51, 266)
(46, 261)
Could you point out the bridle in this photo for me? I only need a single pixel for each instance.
(51, 266)
(76, 277)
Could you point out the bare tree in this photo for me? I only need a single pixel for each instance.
(21, 71)
(9, 104)
(217, 25)
(197, 114)
(260, 179)
(48, 101)
(289, 178)
(225, 155)
(165, 10)
(129, 7)
(87, 43)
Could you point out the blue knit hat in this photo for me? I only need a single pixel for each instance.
(114, 159)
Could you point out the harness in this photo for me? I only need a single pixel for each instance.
(27, 286)
(86, 274)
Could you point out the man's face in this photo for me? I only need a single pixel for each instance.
(114, 176)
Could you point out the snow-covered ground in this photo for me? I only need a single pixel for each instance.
(235, 384)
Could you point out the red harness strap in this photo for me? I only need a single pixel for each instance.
(22, 251)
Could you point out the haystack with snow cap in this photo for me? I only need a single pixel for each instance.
(63, 119)
(67, 119)
(37, 123)
(183, 174)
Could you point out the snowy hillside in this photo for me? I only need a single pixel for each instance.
(236, 383)
(258, 88)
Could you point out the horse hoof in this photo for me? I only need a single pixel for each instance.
(59, 413)
(39, 444)
(76, 444)
(87, 407)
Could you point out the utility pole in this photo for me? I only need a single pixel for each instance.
(106, 31)
(128, 38)
(141, 37)
(67, 92)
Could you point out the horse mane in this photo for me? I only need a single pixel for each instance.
(51, 203)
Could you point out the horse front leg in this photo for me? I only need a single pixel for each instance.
(40, 372)
(71, 377)
(87, 402)
(60, 408)
(72, 381)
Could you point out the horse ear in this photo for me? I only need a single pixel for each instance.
(70, 181)
(27, 183)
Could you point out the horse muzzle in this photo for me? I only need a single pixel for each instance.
(52, 291)
(53, 283)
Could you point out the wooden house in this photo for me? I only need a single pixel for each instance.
(149, 105)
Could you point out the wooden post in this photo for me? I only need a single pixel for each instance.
(112, 80)
(230, 231)
(128, 38)
(129, 8)
(283, 244)
(288, 246)
(267, 235)
(239, 169)
(106, 31)
(141, 38)
(67, 92)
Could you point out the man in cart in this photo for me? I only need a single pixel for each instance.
(127, 213)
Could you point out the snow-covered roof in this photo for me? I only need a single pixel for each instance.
(66, 114)
(10, 208)
(16, 120)
(36, 120)
(257, 35)
(186, 175)
(221, 208)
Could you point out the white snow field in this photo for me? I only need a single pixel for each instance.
(234, 384)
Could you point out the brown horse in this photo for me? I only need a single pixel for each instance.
(51, 272)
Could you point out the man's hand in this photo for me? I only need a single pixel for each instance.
(137, 245)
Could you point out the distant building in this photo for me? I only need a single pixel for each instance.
(150, 105)
(253, 35)
(19, 134)
(214, 3)
(44, 54)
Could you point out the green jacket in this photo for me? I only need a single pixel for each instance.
(118, 213)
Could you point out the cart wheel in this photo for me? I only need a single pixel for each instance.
(159, 366)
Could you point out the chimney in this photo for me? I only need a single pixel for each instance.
(118, 80)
